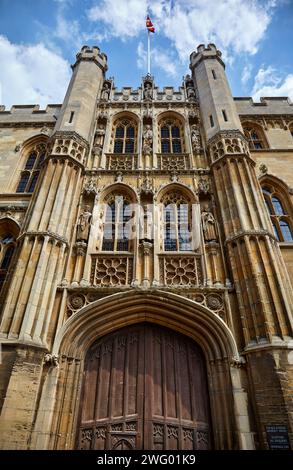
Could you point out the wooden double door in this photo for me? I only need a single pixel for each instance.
(144, 388)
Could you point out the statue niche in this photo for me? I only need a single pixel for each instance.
(83, 226)
(147, 139)
(208, 225)
(195, 138)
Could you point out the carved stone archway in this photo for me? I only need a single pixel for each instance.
(57, 419)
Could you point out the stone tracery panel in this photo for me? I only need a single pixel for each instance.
(180, 270)
(111, 270)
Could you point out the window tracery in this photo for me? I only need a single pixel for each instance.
(117, 226)
(30, 174)
(171, 136)
(278, 212)
(7, 247)
(177, 222)
(255, 137)
(125, 136)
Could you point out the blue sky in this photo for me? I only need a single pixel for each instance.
(39, 40)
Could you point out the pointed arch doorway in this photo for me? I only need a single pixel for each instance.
(144, 387)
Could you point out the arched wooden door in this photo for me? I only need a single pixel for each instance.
(144, 388)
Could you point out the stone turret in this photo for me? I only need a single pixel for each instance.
(217, 106)
(79, 106)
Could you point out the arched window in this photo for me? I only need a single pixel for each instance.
(279, 216)
(171, 136)
(117, 229)
(29, 175)
(255, 137)
(7, 246)
(125, 136)
(177, 223)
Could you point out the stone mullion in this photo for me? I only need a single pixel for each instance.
(135, 244)
(284, 299)
(78, 266)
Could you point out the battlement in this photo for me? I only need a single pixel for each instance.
(205, 52)
(266, 105)
(167, 94)
(92, 54)
(29, 113)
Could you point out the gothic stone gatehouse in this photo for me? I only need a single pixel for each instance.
(145, 263)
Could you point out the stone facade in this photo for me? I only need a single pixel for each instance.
(72, 270)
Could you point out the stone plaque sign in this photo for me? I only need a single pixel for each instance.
(277, 436)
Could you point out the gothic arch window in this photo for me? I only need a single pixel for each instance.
(177, 222)
(7, 246)
(277, 208)
(171, 136)
(125, 136)
(30, 173)
(255, 137)
(117, 224)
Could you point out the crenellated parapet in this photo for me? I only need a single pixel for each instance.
(93, 54)
(168, 94)
(205, 52)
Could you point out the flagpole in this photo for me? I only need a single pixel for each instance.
(149, 54)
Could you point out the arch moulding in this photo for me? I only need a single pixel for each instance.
(57, 418)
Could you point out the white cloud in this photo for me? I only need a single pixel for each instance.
(235, 26)
(32, 74)
(246, 74)
(125, 18)
(269, 83)
(159, 58)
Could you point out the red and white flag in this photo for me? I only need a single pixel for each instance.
(149, 25)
